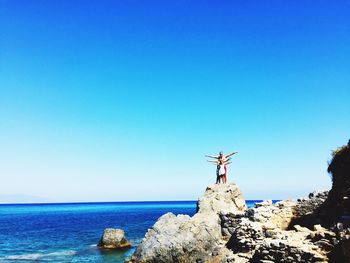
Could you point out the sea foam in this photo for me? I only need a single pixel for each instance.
(38, 256)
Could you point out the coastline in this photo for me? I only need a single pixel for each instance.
(83, 240)
(25, 219)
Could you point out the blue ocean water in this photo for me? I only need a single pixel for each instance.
(70, 232)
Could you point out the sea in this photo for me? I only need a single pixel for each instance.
(69, 232)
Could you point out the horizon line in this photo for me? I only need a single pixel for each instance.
(120, 202)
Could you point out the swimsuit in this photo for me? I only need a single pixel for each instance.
(222, 169)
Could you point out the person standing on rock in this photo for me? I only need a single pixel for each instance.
(221, 168)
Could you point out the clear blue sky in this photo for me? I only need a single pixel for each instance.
(121, 100)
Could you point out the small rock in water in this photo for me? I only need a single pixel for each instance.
(113, 238)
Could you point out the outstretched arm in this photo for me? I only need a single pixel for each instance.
(214, 157)
(231, 154)
(212, 161)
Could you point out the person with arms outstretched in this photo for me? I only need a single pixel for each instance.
(221, 168)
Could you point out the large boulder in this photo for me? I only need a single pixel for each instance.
(191, 239)
(113, 239)
(221, 197)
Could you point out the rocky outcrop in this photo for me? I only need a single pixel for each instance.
(306, 210)
(312, 229)
(262, 233)
(336, 209)
(224, 230)
(191, 239)
(336, 205)
(306, 206)
(339, 196)
(113, 239)
(221, 197)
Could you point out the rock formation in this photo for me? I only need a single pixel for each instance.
(224, 230)
(312, 229)
(262, 234)
(113, 239)
(338, 200)
(221, 197)
(336, 210)
(191, 239)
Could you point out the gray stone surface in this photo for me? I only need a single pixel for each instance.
(191, 239)
(223, 231)
(261, 234)
(221, 198)
(308, 205)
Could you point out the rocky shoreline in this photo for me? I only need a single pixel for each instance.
(312, 229)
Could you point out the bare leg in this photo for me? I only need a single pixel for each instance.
(224, 177)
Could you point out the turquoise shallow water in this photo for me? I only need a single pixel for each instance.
(69, 232)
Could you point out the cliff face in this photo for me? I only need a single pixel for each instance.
(339, 196)
(313, 229)
(336, 210)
